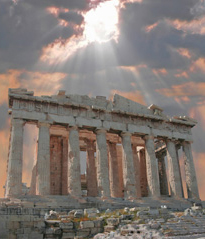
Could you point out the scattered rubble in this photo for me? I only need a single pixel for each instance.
(136, 222)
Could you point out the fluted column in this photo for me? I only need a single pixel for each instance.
(91, 169)
(137, 170)
(43, 160)
(177, 148)
(152, 167)
(162, 174)
(102, 164)
(14, 177)
(191, 180)
(174, 170)
(128, 167)
(115, 187)
(74, 177)
(143, 173)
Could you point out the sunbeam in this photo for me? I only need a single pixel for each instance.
(100, 25)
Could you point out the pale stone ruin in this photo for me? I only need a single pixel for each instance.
(126, 144)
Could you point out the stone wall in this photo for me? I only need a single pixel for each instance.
(132, 222)
(18, 223)
(30, 223)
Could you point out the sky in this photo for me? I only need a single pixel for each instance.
(150, 51)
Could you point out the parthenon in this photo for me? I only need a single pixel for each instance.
(125, 143)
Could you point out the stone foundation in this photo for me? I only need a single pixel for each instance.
(162, 221)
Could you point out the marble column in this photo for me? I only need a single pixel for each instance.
(15, 162)
(91, 169)
(128, 167)
(143, 173)
(177, 149)
(162, 174)
(137, 170)
(102, 164)
(152, 167)
(174, 170)
(191, 180)
(43, 160)
(115, 187)
(74, 177)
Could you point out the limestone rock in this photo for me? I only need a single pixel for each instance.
(79, 214)
(86, 224)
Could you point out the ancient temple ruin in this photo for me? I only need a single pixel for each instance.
(125, 143)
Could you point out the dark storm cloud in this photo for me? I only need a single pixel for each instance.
(155, 48)
(71, 4)
(150, 11)
(71, 16)
(25, 29)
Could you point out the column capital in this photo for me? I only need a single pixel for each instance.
(183, 143)
(43, 124)
(18, 121)
(75, 127)
(100, 131)
(146, 137)
(124, 134)
(170, 140)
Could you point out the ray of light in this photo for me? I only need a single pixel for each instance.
(100, 25)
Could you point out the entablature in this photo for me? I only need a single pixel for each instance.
(92, 113)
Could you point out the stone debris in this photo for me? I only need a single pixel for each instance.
(91, 212)
(159, 223)
(51, 216)
(78, 214)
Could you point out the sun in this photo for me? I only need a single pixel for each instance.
(101, 23)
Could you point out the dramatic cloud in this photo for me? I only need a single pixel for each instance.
(26, 28)
(71, 4)
(8, 80)
(186, 89)
(73, 17)
(43, 83)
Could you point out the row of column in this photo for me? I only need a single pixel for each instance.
(106, 174)
(174, 173)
